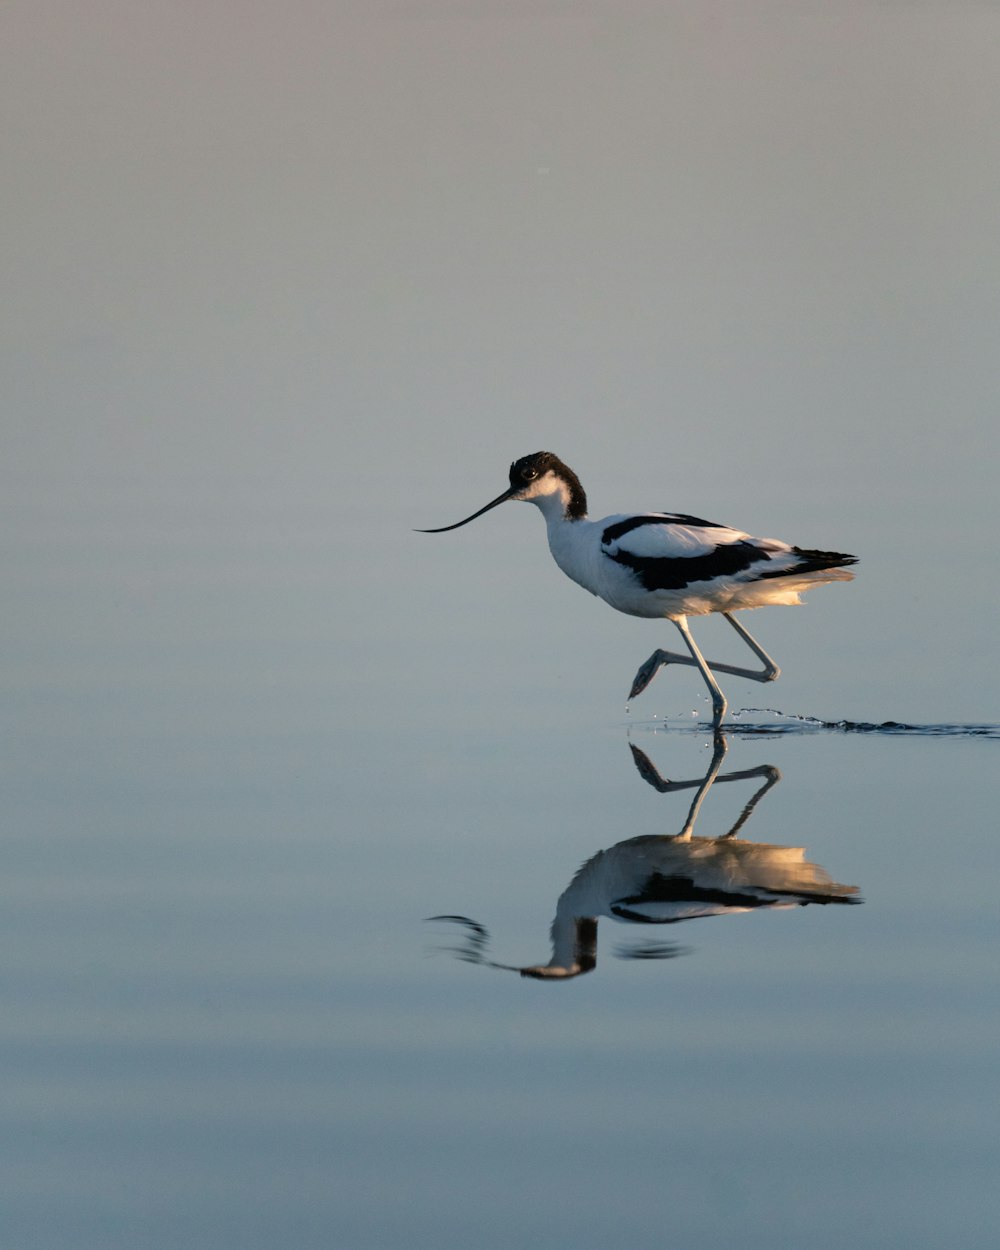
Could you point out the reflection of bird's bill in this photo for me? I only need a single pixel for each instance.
(477, 940)
(473, 950)
(443, 529)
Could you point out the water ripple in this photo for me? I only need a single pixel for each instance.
(742, 724)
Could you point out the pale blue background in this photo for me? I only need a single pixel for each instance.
(283, 282)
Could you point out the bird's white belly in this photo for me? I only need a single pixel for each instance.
(622, 590)
(576, 548)
(701, 598)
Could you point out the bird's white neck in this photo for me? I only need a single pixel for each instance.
(557, 503)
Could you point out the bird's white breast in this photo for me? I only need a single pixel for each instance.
(576, 548)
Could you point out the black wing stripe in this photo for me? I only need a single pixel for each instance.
(674, 573)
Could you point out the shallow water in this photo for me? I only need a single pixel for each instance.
(228, 1020)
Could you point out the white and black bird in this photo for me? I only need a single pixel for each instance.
(667, 564)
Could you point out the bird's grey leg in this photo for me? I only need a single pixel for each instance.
(718, 698)
(660, 659)
(770, 671)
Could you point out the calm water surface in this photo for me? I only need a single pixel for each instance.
(281, 290)
(228, 1022)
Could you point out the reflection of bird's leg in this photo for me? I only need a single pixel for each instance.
(659, 659)
(718, 755)
(771, 777)
(651, 774)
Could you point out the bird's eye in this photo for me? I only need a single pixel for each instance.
(529, 474)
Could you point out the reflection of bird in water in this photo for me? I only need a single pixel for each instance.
(667, 565)
(663, 880)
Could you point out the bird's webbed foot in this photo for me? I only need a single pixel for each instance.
(648, 671)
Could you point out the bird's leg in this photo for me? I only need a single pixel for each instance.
(718, 698)
(770, 671)
(660, 659)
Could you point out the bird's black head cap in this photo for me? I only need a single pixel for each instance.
(524, 471)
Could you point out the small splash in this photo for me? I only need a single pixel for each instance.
(789, 722)
(749, 722)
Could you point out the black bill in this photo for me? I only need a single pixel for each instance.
(499, 499)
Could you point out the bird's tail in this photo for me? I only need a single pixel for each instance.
(791, 573)
(816, 561)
